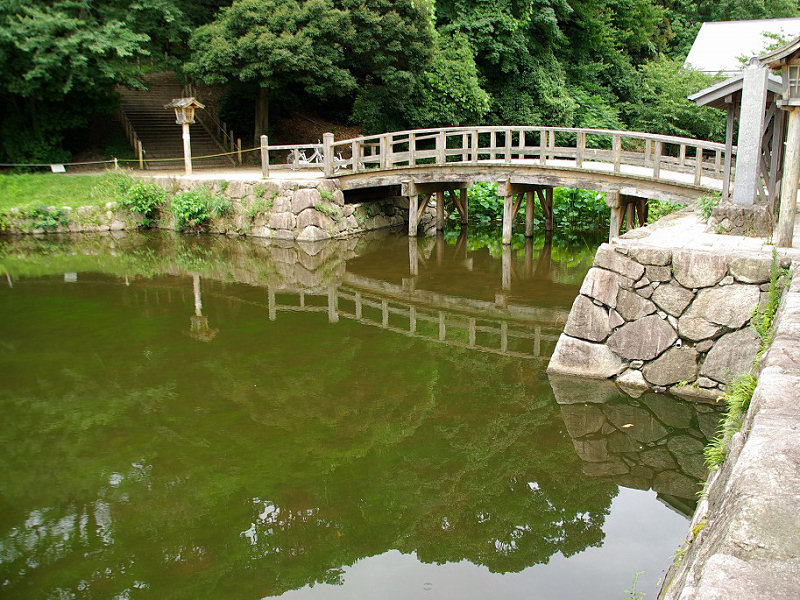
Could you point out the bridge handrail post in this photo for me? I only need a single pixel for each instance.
(384, 151)
(476, 144)
(441, 148)
(616, 144)
(327, 154)
(648, 151)
(355, 151)
(580, 144)
(264, 157)
(412, 149)
(657, 160)
(522, 143)
(698, 164)
(508, 145)
(464, 147)
(543, 146)
(682, 155)
(492, 144)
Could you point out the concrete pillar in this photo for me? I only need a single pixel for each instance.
(791, 174)
(751, 128)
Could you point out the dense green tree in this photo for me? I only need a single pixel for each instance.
(274, 44)
(664, 108)
(59, 62)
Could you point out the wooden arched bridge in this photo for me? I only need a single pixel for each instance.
(526, 162)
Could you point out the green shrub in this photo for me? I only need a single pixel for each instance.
(144, 199)
(220, 206)
(707, 204)
(190, 209)
(47, 218)
(738, 400)
(661, 208)
(259, 206)
(326, 195)
(764, 314)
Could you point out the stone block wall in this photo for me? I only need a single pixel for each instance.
(659, 318)
(309, 210)
(732, 219)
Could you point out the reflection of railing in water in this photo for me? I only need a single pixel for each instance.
(510, 337)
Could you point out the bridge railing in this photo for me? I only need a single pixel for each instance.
(604, 149)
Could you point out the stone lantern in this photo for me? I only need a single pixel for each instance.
(184, 116)
(787, 60)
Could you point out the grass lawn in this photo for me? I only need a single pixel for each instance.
(51, 189)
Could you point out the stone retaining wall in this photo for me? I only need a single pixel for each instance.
(658, 318)
(744, 540)
(286, 210)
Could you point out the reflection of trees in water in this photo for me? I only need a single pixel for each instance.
(380, 442)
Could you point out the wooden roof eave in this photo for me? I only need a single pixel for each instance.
(777, 58)
(721, 94)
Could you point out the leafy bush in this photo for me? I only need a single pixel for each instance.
(219, 205)
(661, 208)
(190, 209)
(707, 204)
(44, 217)
(145, 199)
(738, 400)
(259, 206)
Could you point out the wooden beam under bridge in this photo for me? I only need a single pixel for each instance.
(513, 194)
(412, 190)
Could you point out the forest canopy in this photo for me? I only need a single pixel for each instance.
(378, 64)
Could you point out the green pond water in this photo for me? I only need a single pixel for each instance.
(199, 417)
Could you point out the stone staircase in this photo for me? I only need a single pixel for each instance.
(157, 130)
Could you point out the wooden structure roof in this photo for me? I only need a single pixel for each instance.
(778, 58)
(721, 94)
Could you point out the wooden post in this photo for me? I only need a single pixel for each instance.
(547, 209)
(580, 148)
(385, 313)
(614, 203)
(475, 145)
(333, 305)
(413, 256)
(529, 214)
(698, 164)
(506, 267)
(543, 146)
(239, 150)
(503, 337)
(472, 324)
(441, 148)
(116, 164)
(141, 153)
(647, 151)
(272, 313)
(464, 205)
(413, 215)
(358, 304)
(508, 146)
(726, 176)
(464, 147)
(187, 149)
(508, 215)
(355, 149)
(264, 157)
(630, 217)
(327, 154)
(492, 143)
(528, 258)
(682, 158)
(412, 319)
(412, 149)
(302, 297)
(439, 211)
(657, 161)
(791, 174)
(442, 328)
(616, 144)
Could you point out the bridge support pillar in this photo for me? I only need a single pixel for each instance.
(413, 215)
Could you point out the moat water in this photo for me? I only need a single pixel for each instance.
(200, 417)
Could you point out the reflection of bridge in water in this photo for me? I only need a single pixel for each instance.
(504, 326)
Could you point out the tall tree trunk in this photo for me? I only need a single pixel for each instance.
(262, 115)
